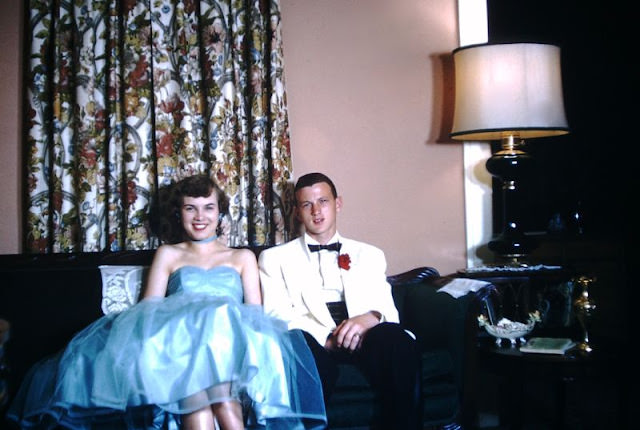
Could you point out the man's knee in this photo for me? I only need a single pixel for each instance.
(390, 338)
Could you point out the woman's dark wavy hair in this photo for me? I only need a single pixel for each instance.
(172, 198)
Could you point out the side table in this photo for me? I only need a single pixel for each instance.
(524, 290)
(515, 369)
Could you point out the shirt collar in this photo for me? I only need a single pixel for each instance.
(308, 240)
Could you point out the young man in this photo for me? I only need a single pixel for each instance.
(339, 297)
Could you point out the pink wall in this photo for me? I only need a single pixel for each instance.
(10, 153)
(366, 92)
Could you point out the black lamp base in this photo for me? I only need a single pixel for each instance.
(512, 247)
(510, 165)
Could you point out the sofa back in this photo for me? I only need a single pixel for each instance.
(47, 298)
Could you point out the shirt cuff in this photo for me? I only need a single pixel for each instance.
(379, 315)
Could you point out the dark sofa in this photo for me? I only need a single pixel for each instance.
(47, 298)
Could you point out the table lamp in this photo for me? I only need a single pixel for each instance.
(508, 92)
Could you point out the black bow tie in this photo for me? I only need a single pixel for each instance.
(330, 247)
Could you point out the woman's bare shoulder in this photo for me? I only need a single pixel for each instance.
(243, 258)
(243, 254)
(169, 253)
(172, 248)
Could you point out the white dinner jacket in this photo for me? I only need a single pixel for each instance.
(291, 285)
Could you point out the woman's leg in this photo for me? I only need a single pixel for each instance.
(229, 415)
(202, 419)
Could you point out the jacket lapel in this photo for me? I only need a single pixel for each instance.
(311, 296)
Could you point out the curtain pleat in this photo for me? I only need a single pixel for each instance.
(126, 97)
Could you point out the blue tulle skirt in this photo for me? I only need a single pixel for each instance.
(164, 357)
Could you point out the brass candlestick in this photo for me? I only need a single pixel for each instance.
(584, 308)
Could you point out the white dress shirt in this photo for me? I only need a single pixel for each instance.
(326, 262)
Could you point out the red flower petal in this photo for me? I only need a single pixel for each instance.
(344, 261)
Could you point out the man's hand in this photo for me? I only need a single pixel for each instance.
(350, 332)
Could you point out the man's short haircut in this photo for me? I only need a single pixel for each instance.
(314, 178)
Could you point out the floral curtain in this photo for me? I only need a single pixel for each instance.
(125, 97)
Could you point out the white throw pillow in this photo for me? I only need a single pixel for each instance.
(121, 286)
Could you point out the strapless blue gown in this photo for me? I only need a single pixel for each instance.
(145, 366)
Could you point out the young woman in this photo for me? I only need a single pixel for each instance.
(197, 349)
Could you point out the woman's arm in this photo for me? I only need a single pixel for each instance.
(250, 276)
(159, 272)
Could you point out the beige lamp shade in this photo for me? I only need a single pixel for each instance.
(512, 89)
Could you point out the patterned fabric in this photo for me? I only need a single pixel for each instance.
(125, 97)
(121, 286)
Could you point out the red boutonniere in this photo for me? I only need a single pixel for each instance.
(344, 261)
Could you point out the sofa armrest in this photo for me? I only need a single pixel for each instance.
(414, 276)
(401, 282)
(441, 321)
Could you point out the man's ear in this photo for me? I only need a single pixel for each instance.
(338, 203)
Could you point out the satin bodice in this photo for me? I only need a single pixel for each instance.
(219, 281)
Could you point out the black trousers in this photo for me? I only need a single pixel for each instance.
(389, 359)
